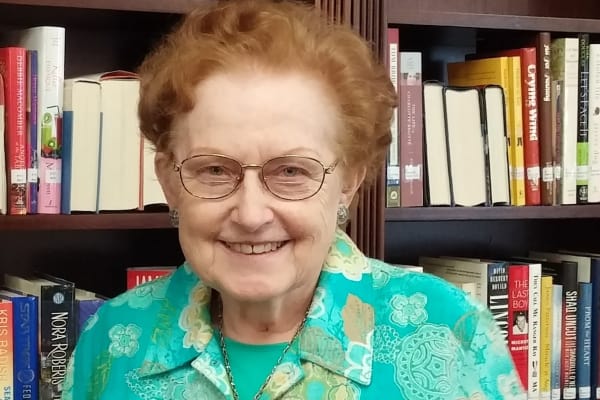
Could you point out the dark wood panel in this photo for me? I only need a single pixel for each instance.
(591, 211)
(93, 259)
(130, 220)
(538, 8)
(170, 6)
(406, 241)
(398, 15)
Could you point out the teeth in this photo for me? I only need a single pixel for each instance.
(245, 248)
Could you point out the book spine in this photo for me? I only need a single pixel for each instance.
(516, 137)
(6, 350)
(497, 300)
(584, 341)
(531, 142)
(57, 331)
(595, 363)
(594, 125)
(565, 55)
(546, 338)
(410, 129)
(557, 310)
(545, 117)
(393, 168)
(25, 313)
(49, 42)
(533, 369)
(67, 159)
(137, 277)
(13, 64)
(32, 166)
(569, 331)
(518, 338)
(582, 119)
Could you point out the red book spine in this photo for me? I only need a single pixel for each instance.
(518, 318)
(137, 276)
(13, 67)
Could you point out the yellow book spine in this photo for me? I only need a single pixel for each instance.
(515, 148)
(6, 350)
(546, 338)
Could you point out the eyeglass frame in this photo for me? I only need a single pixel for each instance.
(177, 167)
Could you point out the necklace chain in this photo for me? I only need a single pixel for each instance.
(228, 365)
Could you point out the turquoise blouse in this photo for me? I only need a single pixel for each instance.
(374, 331)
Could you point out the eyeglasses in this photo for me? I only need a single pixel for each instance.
(214, 176)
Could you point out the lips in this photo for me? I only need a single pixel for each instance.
(254, 248)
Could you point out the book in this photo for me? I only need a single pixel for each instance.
(565, 56)
(437, 178)
(544, 97)
(3, 192)
(49, 43)
(393, 167)
(138, 275)
(466, 146)
(582, 173)
(26, 345)
(410, 131)
(6, 349)
(81, 145)
(56, 317)
(13, 69)
(506, 72)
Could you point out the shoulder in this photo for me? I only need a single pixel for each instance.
(407, 299)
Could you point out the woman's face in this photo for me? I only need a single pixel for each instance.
(251, 245)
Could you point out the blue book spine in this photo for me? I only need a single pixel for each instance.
(86, 309)
(584, 341)
(595, 278)
(26, 348)
(67, 155)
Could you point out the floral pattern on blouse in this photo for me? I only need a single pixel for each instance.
(372, 329)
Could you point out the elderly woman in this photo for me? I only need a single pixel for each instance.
(266, 120)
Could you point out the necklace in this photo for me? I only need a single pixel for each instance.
(228, 365)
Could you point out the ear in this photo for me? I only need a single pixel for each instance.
(353, 179)
(168, 178)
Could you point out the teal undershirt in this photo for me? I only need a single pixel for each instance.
(251, 364)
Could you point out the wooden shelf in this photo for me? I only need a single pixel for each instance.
(112, 221)
(492, 213)
(160, 6)
(403, 15)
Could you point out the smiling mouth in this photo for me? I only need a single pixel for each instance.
(257, 248)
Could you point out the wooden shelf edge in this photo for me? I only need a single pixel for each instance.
(401, 15)
(492, 213)
(103, 221)
(158, 6)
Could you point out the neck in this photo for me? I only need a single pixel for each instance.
(273, 321)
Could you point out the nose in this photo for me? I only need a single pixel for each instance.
(252, 210)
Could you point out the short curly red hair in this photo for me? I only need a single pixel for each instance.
(280, 36)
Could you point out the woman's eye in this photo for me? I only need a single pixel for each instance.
(216, 170)
(290, 171)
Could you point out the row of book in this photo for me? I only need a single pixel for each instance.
(537, 142)
(547, 306)
(68, 144)
(41, 317)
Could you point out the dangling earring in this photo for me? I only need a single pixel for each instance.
(343, 215)
(174, 217)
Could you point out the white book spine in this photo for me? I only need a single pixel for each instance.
(535, 293)
(569, 122)
(594, 125)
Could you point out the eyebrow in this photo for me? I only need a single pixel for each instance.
(300, 151)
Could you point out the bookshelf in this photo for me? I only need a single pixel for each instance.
(445, 30)
(94, 249)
